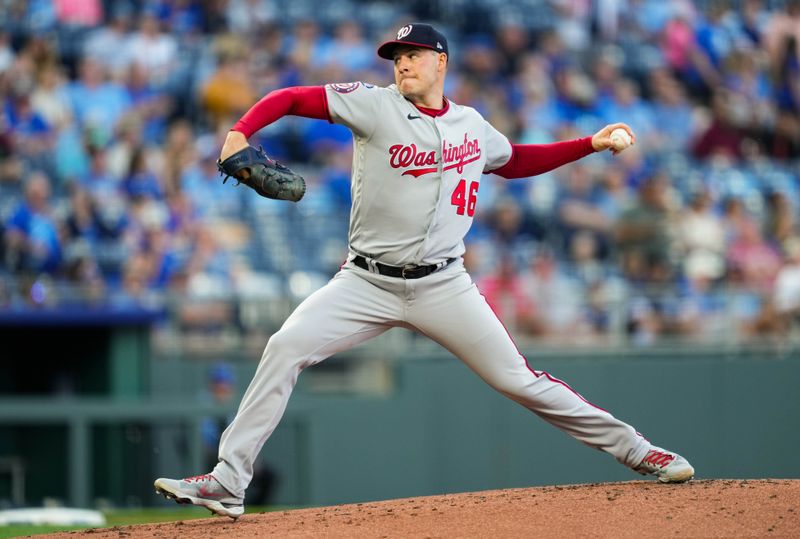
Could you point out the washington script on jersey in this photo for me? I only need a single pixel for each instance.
(403, 156)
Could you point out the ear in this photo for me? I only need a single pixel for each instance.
(442, 62)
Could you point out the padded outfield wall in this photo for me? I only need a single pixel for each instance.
(444, 430)
(428, 425)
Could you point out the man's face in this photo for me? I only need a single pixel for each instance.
(417, 70)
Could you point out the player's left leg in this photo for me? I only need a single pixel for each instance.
(450, 309)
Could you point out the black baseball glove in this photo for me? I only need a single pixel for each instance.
(265, 176)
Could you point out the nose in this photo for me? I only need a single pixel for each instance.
(402, 64)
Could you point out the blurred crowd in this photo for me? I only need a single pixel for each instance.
(113, 113)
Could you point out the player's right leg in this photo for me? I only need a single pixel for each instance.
(451, 310)
(347, 311)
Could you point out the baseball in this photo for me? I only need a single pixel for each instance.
(620, 138)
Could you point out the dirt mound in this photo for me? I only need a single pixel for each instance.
(714, 508)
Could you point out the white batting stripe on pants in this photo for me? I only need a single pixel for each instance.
(446, 306)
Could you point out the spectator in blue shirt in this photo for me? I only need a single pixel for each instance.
(626, 102)
(140, 181)
(202, 184)
(32, 238)
(97, 102)
(32, 136)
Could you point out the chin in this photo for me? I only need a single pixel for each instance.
(407, 90)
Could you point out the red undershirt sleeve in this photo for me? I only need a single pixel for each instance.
(305, 101)
(532, 159)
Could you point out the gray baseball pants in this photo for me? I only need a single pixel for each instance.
(357, 305)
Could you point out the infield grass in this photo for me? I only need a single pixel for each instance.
(127, 517)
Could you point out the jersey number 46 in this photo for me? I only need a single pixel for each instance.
(464, 200)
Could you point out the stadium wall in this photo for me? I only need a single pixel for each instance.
(435, 429)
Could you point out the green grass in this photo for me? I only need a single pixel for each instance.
(126, 517)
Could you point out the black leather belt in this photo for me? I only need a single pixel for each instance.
(408, 271)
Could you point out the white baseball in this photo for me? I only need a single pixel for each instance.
(620, 138)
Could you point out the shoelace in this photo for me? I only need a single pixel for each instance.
(199, 478)
(658, 458)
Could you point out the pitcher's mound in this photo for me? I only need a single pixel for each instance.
(714, 508)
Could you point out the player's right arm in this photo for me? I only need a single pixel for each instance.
(305, 101)
(532, 159)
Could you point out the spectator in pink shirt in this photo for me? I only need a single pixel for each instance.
(85, 13)
(505, 293)
(756, 260)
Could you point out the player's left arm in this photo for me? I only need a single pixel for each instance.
(532, 159)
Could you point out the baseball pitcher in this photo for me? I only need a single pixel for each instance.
(418, 163)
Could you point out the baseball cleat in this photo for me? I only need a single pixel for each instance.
(669, 467)
(202, 490)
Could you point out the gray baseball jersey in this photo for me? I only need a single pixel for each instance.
(415, 183)
(415, 176)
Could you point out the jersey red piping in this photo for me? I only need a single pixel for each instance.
(544, 373)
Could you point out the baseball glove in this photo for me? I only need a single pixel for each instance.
(265, 176)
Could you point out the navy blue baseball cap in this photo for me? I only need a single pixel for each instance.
(416, 34)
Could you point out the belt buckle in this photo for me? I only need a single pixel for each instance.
(407, 267)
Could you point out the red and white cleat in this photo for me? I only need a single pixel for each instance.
(669, 467)
(202, 490)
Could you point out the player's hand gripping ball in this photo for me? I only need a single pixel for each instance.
(621, 139)
(265, 176)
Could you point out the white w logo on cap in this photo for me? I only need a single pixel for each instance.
(404, 31)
